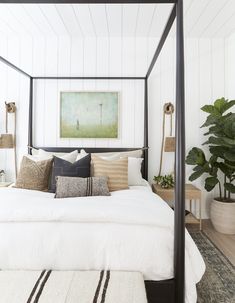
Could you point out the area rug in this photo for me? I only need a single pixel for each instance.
(218, 282)
(71, 287)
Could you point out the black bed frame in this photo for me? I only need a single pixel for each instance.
(165, 291)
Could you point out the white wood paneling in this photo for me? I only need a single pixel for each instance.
(208, 70)
(47, 107)
(14, 87)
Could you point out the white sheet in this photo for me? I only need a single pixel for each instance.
(130, 230)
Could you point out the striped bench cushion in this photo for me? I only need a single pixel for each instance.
(71, 286)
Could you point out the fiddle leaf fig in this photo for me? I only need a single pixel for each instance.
(221, 144)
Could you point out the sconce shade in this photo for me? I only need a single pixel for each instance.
(6, 141)
(169, 144)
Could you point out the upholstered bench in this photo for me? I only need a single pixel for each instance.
(71, 286)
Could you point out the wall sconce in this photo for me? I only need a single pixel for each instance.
(8, 141)
(168, 143)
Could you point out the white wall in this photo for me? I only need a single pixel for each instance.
(230, 66)
(13, 87)
(208, 75)
(47, 112)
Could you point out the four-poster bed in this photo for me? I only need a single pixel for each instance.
(171, 290)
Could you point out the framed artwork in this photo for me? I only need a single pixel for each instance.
(89, 114)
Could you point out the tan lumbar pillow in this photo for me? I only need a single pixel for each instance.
(34, 174)
(116, 171)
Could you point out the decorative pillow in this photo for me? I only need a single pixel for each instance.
(71, 157)
(80, 168)
(133, 153)
(116, 171)
(134, 171)
(34, 175)
(44, 155)
(81, 187)
(82, 154)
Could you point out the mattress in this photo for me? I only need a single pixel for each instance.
(132, 230)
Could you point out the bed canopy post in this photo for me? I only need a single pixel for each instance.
(146, 131)
(179, 237)
(30, 126)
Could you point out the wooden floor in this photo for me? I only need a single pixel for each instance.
(225, 243)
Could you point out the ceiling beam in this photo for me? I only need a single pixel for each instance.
(88, 1)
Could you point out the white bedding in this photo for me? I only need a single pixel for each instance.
(130, 230)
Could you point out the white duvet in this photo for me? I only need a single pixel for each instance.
(130, 230)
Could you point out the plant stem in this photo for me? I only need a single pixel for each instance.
(229, 192)
(225, 194)
(220, 191)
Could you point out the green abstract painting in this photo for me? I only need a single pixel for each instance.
(89, 114)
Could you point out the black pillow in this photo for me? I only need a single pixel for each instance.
(80, 168)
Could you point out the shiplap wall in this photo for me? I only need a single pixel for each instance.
(230, 64)
(101, 56)
(207, 78)
(47, 109)
(13, 87)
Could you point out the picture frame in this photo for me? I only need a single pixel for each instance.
(89, 114)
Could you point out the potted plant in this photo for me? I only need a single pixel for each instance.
(166, 181)
(220, 165)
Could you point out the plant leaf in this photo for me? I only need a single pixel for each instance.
(224, 168)
(230, 187)
(228, 141)
(210, 183)
(230, 156)
(220, 104)
(228, 105)
(209, 109)
(218, 150)
(211, 119)
(196, 175)
(196, 156)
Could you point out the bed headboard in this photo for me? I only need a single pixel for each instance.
(102, 150)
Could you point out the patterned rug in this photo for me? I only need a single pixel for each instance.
(218, 282)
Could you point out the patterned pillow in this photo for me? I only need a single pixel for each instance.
(81, 187)
(80, 168)
(116, 171)
(34, 174)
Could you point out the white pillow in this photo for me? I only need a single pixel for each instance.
(44, 155)
(134, 171)
(81, 155)
(133, 153)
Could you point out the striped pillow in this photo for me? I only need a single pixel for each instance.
(116, 171)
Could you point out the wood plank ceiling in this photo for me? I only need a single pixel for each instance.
(100, 39)
(203, 18)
